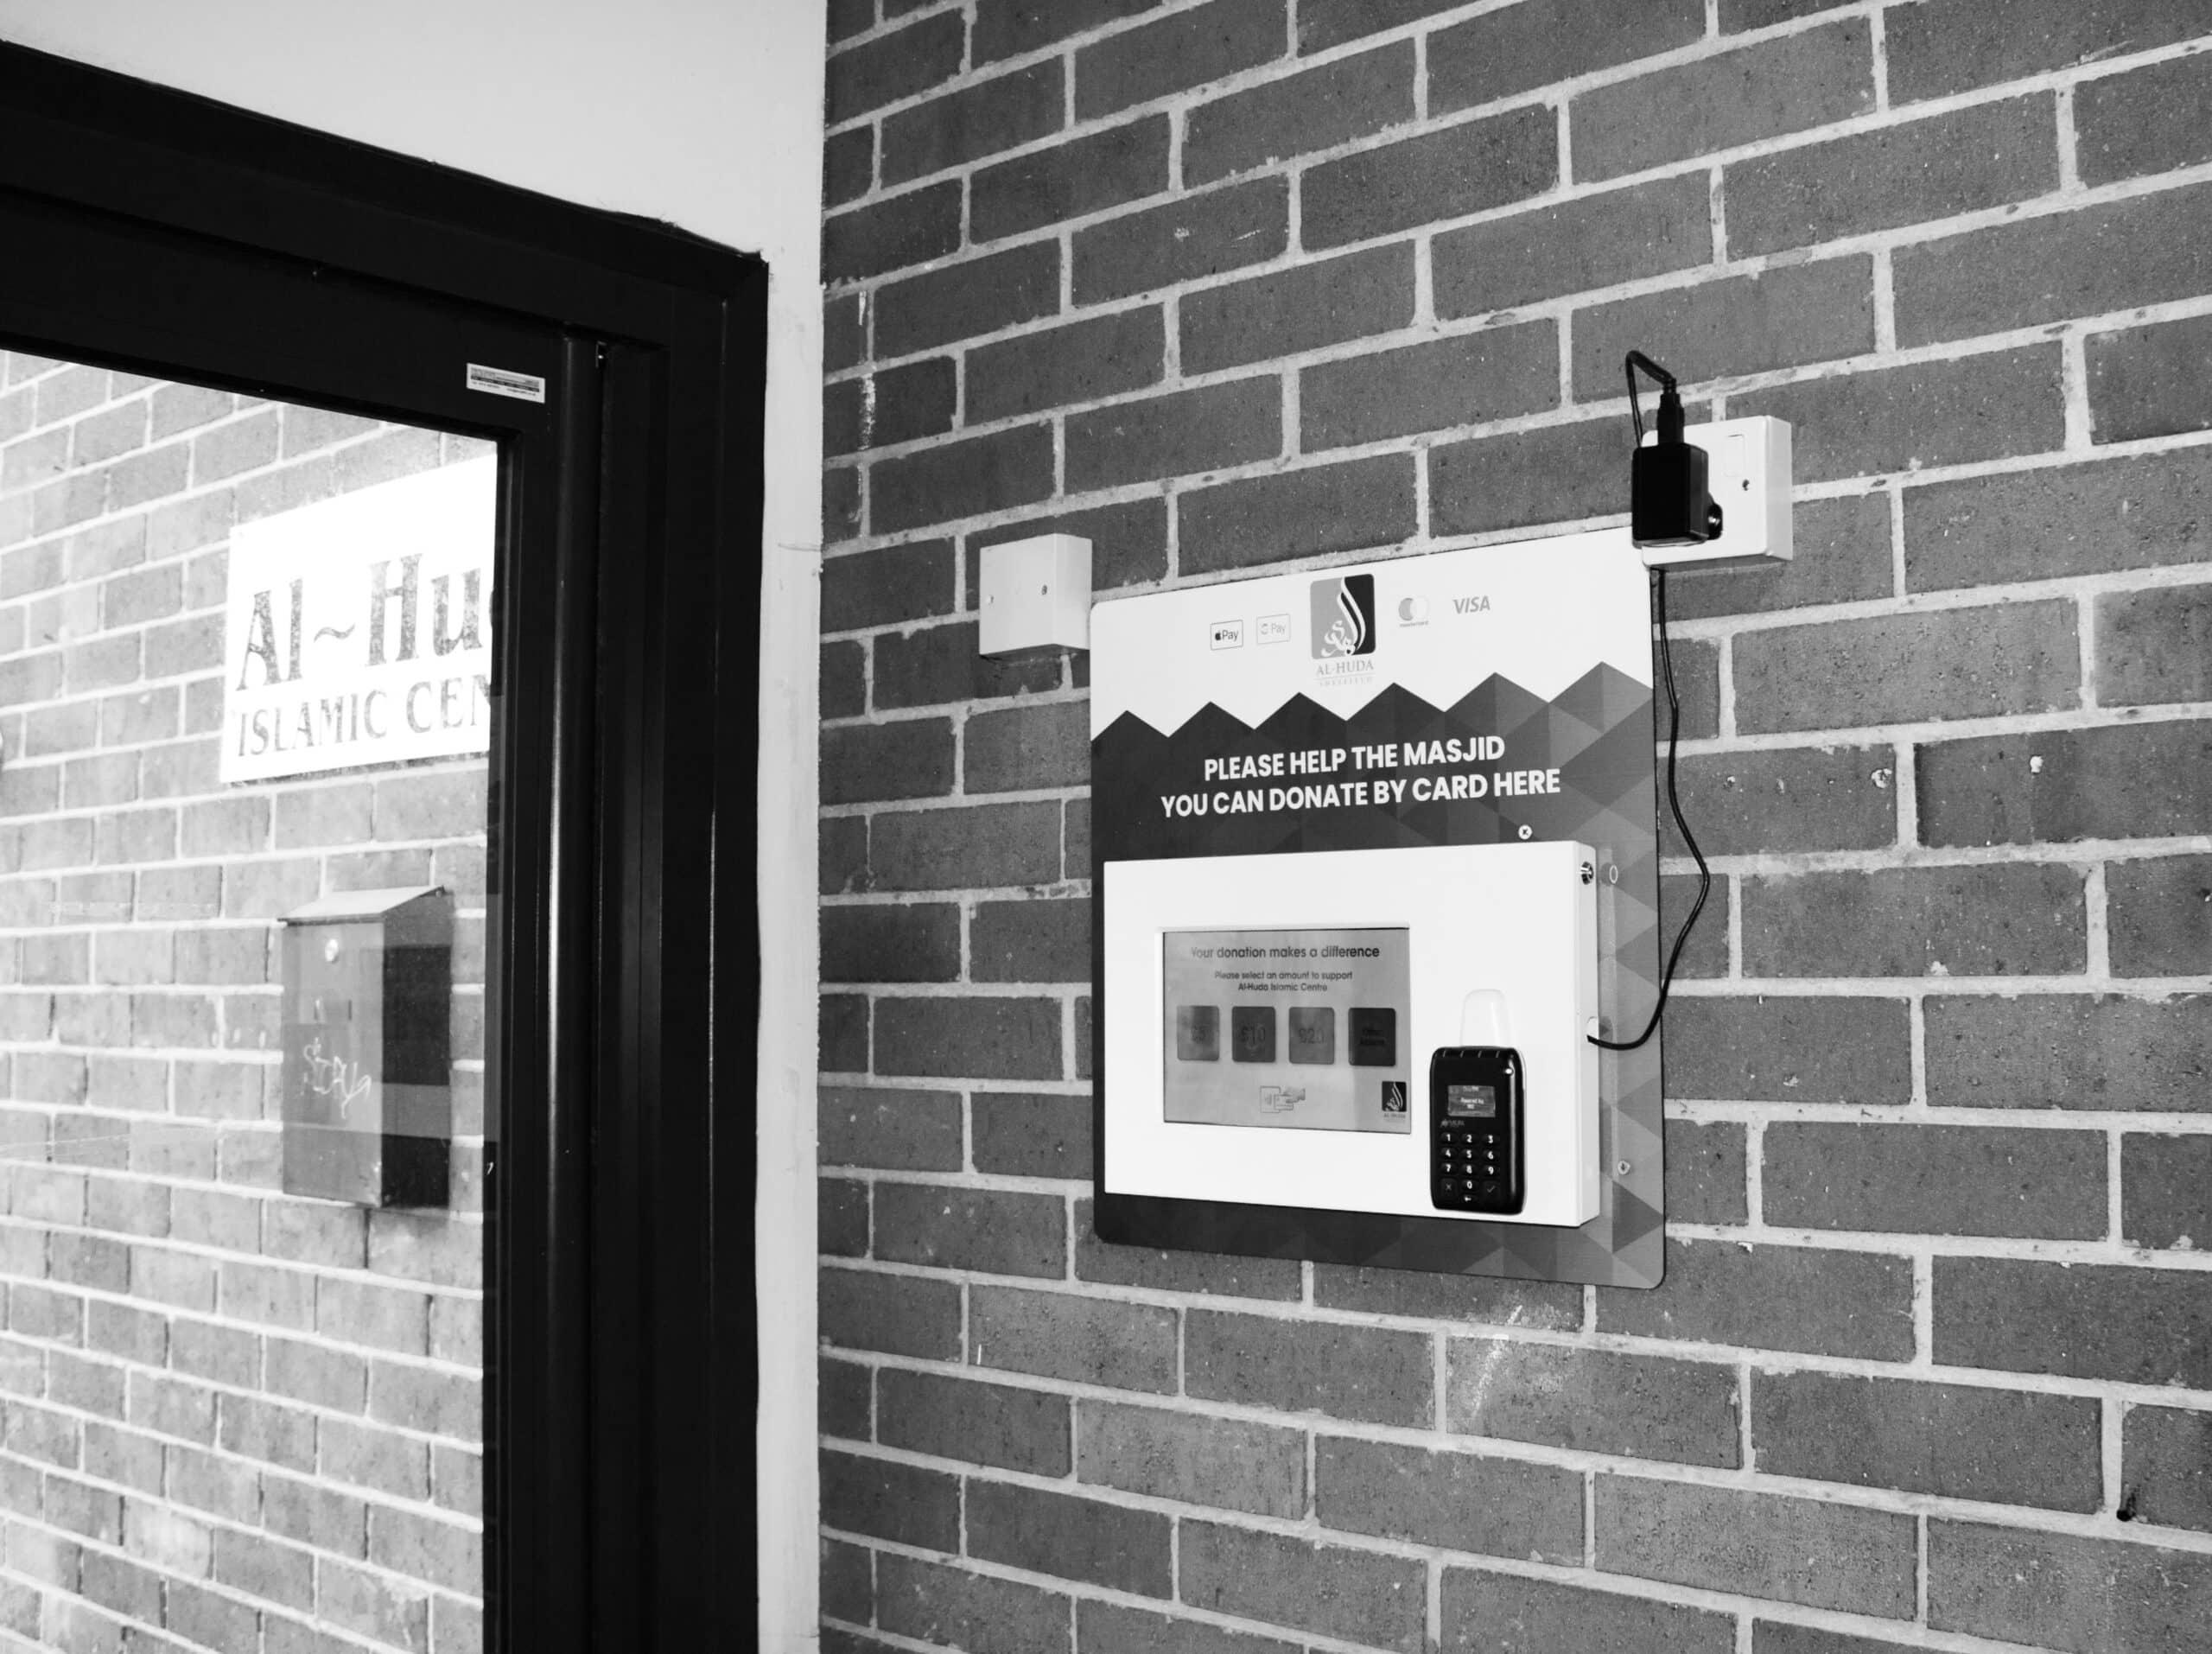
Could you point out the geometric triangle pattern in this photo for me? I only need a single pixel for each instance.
(1598, 734)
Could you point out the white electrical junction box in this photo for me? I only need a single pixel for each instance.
(1748, 474)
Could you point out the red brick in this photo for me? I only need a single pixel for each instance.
(1110, 1628)
(984, 1424)
(1463, 380)
(1967, 160)
(2070, 1051)
(1377, 1598)
(2167, 1477)
(1195, 235)
(1102, 357)
(895, 65)
(895, 1314)
(1963, 662)
(1775, 800)
(902, 230)
(912, 759)
(1501, 53)
(1717, 103)
(1071, 1538)
(2158, 912)
(2166, 1184)
(961, 479)
(1455, 1298)
(876, 942)
(1324, 23)
(899, 582)
(1021, 748)
(2151, 120)
(1008, 27)
(1799, 313)
(1027, 1134)
(1456, 1500)
(1203, 429)
(926, 1600)
(1354, 1372)
(1188, 48)
(845, 1404)
(2071, 519)
(981, 844)
(1213, 1274)
(1482, 1610)
(973, 121)
(848, 166)
(1059, 1335)
(1230, 1464)
(977, 295)
(1992, 920)
(900, 1502)
(2059, 786)
(1030, 941)
(1952, 46)
(843, 679)
(2148, 381)
(1351, 97)
(2088, 1596)
(845, 330)
(1809, 1299)
(1073, 180)
(1936, 1179)
(1759, 1544)
(908, 1130)
(2144, 250)
(2129, 1326)
(1446, 174)
(1591, 242)
(1594, 1401)
(1298, 310)
(991, 1231)
(1898, 419)
(900, 404)
(1299, 513)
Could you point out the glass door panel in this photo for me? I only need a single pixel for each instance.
(246, 865)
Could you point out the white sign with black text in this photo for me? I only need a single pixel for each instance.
(359, 630)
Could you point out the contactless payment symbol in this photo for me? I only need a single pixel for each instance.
(1343, 616)
(1394, 1096)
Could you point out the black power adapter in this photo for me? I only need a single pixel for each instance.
(1668, 501)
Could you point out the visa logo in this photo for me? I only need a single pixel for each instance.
(1480, 605)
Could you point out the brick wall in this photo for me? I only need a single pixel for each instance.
(229, 1419)
(1255, 283)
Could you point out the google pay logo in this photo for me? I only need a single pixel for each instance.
(1343, 616)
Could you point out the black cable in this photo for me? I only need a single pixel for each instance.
(1636, 358)
(1674, 803)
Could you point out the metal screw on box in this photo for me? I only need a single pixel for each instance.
(368, 1048)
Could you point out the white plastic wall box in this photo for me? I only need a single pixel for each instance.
(1517, 919)
(1034, 592)
(1748, 474)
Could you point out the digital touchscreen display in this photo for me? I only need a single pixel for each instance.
(1300, 1030)
(1470, 1102)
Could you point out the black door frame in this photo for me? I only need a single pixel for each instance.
(285, 261)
